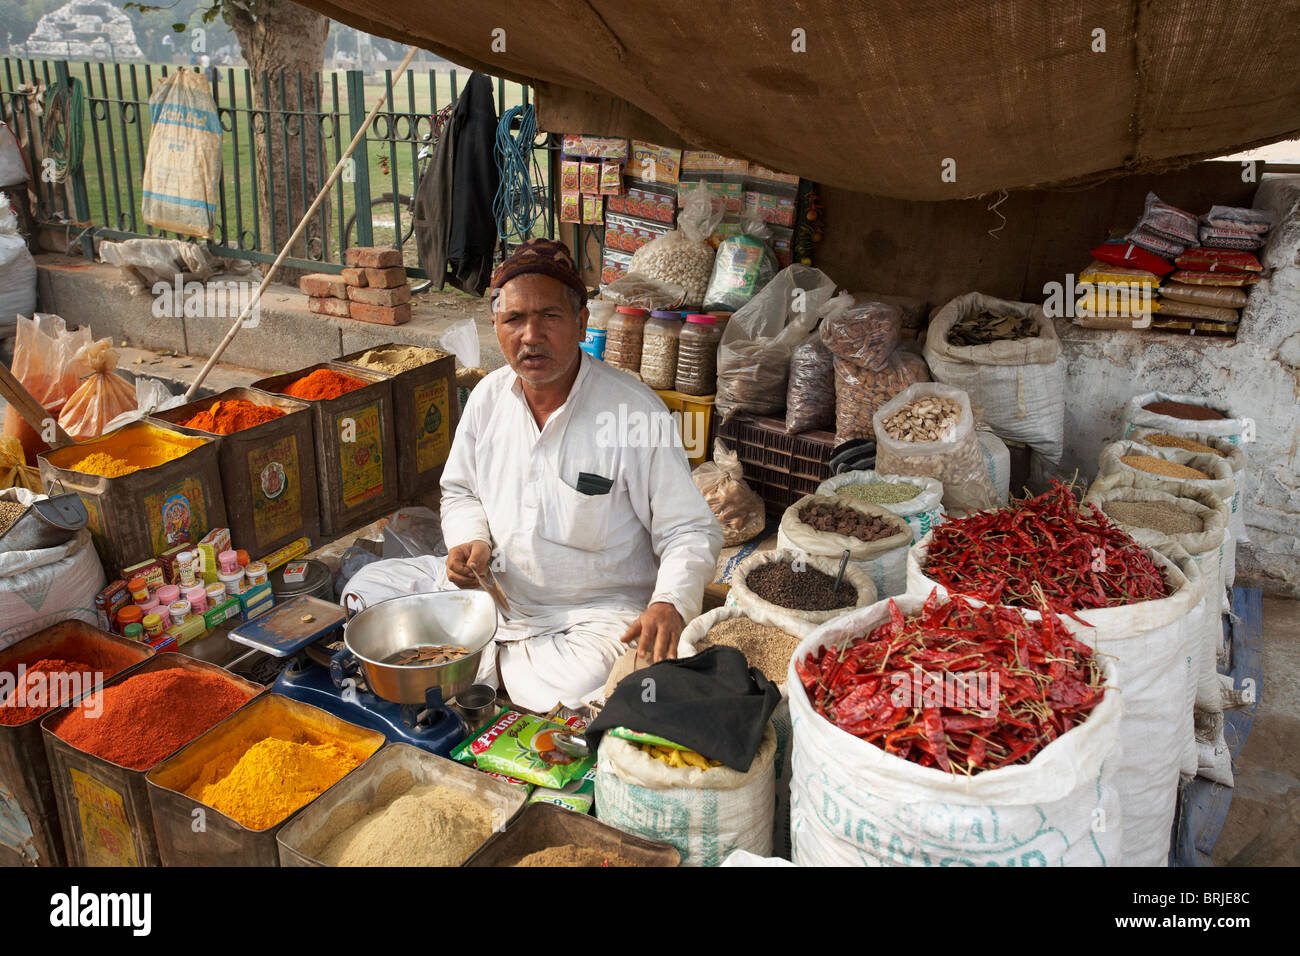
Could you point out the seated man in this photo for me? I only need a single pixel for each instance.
(597, 538)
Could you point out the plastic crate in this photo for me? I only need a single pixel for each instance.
(695, 433)
(781, 467)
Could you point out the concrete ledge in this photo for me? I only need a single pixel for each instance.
(287, 335)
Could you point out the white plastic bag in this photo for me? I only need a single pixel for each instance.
(1019, 385)
(461, 340)
(739, 509)
(147, 262)
(182, 171)
(1154, 653)
(151, 395)
(705, 814)
(885, 560)
(853, 804)
(643, 292)
(17, 271)
(923, 512)
(44, 587)
(742, 597)
(997, 462)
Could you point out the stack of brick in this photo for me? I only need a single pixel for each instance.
(371, 289)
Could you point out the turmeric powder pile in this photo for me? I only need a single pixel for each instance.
(271, 779)
(105, 465)
(128, 450)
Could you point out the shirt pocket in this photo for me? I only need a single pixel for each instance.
(575, 520)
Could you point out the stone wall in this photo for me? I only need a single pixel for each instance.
(1257, 376)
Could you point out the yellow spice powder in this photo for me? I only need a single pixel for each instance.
(130, 449)
(1161, 466)
(1177, 441)
(271, 780)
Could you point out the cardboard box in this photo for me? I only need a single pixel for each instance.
(108, 602)
(596, 147)
(218, 615)
(151, 570)
(655, 164)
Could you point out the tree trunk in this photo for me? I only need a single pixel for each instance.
(284, 47)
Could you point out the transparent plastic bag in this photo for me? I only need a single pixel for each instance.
(100, 398)
(860, 391)
(461, 340)
(742, 266)
(737, 507)
(865, 335)
(683, 256)
(955, 460)
(643, 292)
(413, 532)
(151, 395)
(810, 397)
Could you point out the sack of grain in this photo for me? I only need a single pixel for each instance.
(1230, 429)
(1018, 383)
(1153, 645)
(884, 559)
(694, 634)
(743, 597)
(1219, 481)
(705, 814)
(854, 804)
(1234, 455)
(954, 458)
(922, 511)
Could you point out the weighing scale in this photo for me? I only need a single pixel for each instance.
(304, 630)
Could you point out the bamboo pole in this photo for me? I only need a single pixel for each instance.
(302, 224)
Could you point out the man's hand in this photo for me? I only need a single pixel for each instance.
(463, 557)
(656, 632)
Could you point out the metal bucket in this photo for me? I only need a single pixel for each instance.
(544, 825)
(30, 831)
(221, 840)
(381, 780)
(103, 806)
(374, 635)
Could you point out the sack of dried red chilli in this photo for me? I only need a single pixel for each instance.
(948, 733)
(1153, 645)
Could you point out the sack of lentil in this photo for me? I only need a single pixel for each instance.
(705, 814)
(1006, 356)
(1152, 644)
(928, 430)
(1174, 470)
(917, 500)
(853, 804)
(766, 579)
(1159, 520)
(828, 525)
(1233, 454)
(1197, 418)
(770, 652)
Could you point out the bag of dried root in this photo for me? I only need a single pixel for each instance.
(929, 430)
(643, 292)
(876, 539)
(860, 392)
(915, 499)
(737, 507)
(683, 256)
(865, 334)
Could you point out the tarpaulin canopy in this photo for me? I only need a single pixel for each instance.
(914, 99)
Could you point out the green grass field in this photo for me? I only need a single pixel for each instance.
(115, 128)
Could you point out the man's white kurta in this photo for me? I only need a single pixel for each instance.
(570, 561)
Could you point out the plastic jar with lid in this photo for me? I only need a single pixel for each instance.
(623, 338)
(697, 357)
(659, 349)
(131, 614)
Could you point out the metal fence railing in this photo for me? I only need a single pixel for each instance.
(303, 123)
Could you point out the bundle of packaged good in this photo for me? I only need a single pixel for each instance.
(1208, 291)
(1117, 296)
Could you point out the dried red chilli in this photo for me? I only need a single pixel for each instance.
(1076, 555)
(897, 686)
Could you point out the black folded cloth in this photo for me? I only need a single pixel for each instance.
(713, 703)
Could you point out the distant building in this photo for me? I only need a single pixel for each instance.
(83, 30)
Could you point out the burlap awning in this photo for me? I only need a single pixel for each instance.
(885, 97)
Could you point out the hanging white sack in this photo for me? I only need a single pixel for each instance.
(182, 172)
(691, 635)
(705, 814)
(742, 597)
(884, 560)
(922, 513)
(1018, 385)
(43, 587)
(853, 804)
(1153, 648)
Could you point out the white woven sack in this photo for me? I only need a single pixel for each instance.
(1234, 455)
(1018, 385)
(853, 804)
(705, 814)
(43, 587)
(997, 462)
(923, 512)
(1154, 654)
(742, 597)
(884, 560)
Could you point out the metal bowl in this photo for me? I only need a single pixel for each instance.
(375, 634)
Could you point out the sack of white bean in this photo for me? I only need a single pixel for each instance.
(929, 430)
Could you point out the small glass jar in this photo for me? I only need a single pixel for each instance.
(697, 357)
(659, 349)
(623, 338)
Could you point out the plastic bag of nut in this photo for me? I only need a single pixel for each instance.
(810, 397)
(860, 391)
(928, 430)
(737, 506)
(683, 255)
(865, 335)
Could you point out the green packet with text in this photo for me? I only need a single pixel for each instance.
(521, 746)
(639, 737)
